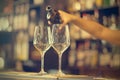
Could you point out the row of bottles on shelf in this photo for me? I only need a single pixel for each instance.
(23, 6)
(93, 53)
(6, 56)
(75, 5)
(17, 19)
(13, 50)
(21, 16)
(17, 22)
(6, 23)
(21, 46)
(112, 22)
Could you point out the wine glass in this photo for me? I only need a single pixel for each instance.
(42, 43)
(60, 42)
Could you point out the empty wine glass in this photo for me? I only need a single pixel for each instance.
(60, 42)
(42, 43)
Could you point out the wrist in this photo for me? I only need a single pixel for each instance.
(73, 18)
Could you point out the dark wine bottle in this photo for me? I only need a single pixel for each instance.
(53, 15)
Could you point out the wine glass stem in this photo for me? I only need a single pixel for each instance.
(60, 63)
(42, 63)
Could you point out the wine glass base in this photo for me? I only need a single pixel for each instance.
(42, 73)
(59, 74)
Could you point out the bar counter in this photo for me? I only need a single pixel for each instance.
(12, 75)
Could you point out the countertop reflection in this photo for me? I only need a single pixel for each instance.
(11, 75)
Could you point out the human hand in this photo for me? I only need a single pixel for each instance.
(65, 18)
(59, 17)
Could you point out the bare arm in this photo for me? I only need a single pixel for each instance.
(94, 28)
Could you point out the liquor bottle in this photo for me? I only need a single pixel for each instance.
(2, 59)
(53, 15)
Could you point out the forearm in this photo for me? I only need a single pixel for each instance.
(90, 26)
(97, 30)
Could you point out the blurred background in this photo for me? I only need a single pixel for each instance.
(86, 55)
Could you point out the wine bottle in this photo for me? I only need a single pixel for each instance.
(53, 15)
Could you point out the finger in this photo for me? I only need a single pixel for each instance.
(61, 26)
(49, 22)
(59, 11)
